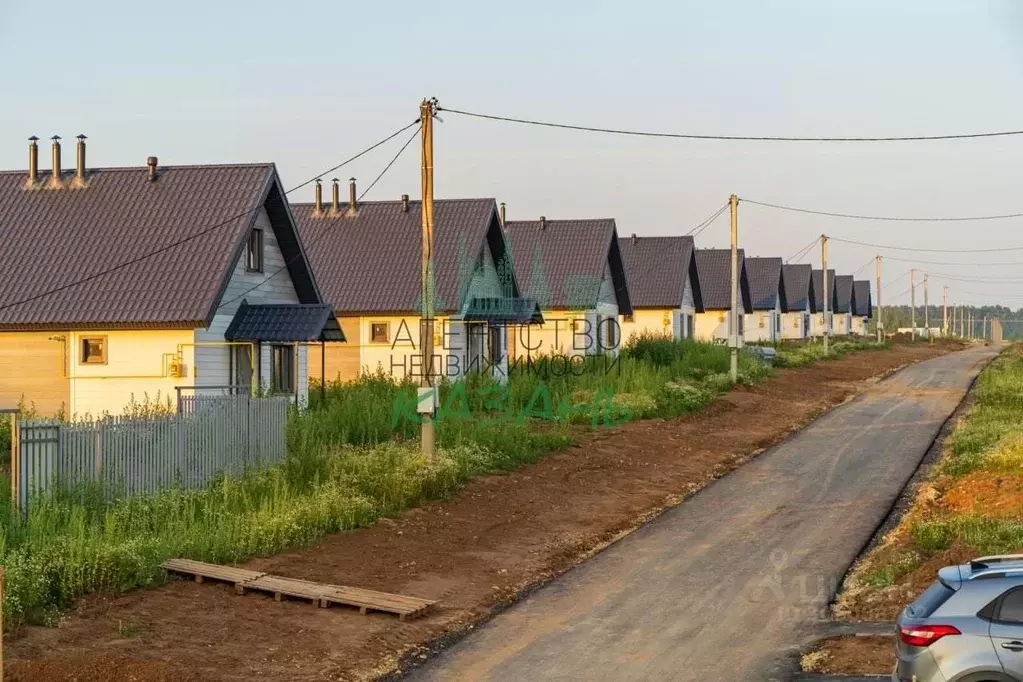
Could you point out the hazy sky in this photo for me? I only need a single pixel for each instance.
(308, 85)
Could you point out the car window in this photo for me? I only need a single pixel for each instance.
(932, 598)
(1011, 609)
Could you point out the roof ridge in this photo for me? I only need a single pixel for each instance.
(266, 164)
(395, 201)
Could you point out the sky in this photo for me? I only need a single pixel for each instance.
(306, 86)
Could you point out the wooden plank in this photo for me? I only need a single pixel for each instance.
(202, 570)
(291, 587)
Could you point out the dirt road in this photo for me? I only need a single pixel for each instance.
(716, 587)
(474, 552)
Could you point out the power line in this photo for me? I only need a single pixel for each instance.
(893, 281)
(914, 248)
(938, 262)
(740, 138)
(325, 229)
(695, 232)
(910, 219)
(200, 233)
(802, 252)
(990, 280)
(864, 267)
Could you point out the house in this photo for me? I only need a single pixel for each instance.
(864, 307)
(127, 284)
(574, 271)
(817, 319)
(664, 286)
(715, 274)
(762, 321)
(799, 301)
(367, 257)
(843, 301)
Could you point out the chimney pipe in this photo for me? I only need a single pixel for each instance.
(352, 199)
(33, 160)
(318, 204)
(502, 213)
(335, 196)
(152, 162)
(56, 161)
(80, 173)
(543, 222)
(404, 203)
(633, 238)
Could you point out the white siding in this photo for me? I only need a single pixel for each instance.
(213, 363)
(687, 296)
(607, 288)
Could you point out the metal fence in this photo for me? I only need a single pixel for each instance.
(209, 435)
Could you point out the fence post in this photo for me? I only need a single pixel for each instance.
(97, 453)
(1, 623)
(15, 456)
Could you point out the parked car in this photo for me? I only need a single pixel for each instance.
(966, 627)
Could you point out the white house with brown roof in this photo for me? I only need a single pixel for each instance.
(367, 258)
(664, 286)
(713, 325)
(767, 297)
(573, 269)
(797, 280)
(126, 285)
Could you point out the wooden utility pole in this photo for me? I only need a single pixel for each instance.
(927, 311)
(824, 279)
(733, 322)
(427, 404)
(880, 330)
(912, 300)
(944, 310)
(985, 328)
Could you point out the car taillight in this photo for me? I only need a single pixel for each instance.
(925, 635)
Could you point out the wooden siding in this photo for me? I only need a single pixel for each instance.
(343, 360)
(33, 366)
(213, 363)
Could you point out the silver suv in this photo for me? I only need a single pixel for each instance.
(966, 627)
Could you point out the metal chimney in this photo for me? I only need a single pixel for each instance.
(502, 214)
(152, 162)
(318, 203)
(335, 196)
(33, 160)
(352, 198)
(55, 180)
(80, 172)
(543, 222)
(404, 203)
(633, 238)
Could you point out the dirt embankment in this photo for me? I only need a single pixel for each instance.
(474, 552)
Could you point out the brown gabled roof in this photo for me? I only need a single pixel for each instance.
(371, 262)
(561, 263)
(55, 238)
(715, 267)
(656, 269)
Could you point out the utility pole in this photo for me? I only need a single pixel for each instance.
(733, 322)
(880, 329)
(427, 392)
(912, 300)
(944, 310)
(985, 328)
(927, 311)
(824, 279)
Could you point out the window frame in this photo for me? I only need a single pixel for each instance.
(387, 332)
(279, 352)
(254, 253)
(83, 343)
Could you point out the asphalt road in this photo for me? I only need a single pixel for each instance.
(715, 588)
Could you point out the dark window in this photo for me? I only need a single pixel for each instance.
(282, 371)
(932, 598)
(255, 255)
(242, 359)
(1011, 608)
(495, 343)
(378, 332)
(94, 350)
(629, 318)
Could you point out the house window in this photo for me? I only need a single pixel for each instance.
(255, 252)
(689, 326)
(777, 322)
(282, 370)
(94, 350)
(379, 332)
(629, 318)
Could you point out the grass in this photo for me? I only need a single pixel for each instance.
(352, 458)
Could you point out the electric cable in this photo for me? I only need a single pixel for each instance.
(911, 219)
(802, 252)
(695, 232)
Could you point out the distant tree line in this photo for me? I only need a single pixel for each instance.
(901, 316)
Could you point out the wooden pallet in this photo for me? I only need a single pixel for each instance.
(321, 594)
(239, 577)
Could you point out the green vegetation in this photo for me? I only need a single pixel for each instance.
(793, 355)
(352, 458)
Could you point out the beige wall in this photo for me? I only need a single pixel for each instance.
(792, 325)
(33, 366)
(137, 365)
(760, 326)
(655, 322)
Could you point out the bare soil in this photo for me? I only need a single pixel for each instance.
(851, 655)
(474, 553)
(999, 496)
